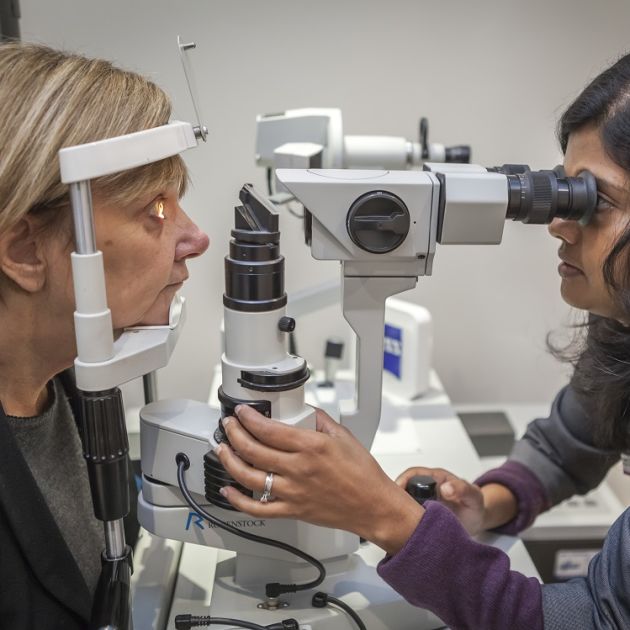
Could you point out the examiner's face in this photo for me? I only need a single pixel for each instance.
(584, 249)
(145, 247)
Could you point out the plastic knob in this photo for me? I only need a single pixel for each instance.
(422, 488)
(286, 324)
(378, 222)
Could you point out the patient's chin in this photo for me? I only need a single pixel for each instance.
(158, 314)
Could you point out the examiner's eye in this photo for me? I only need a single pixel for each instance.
(603, 204)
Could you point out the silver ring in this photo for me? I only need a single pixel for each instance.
(266, 495)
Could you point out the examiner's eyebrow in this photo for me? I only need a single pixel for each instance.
(604, 183)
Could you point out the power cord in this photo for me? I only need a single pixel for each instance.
(273, 589)
(321, 600)
(185, 622)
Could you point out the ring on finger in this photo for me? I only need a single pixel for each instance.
(266, 495)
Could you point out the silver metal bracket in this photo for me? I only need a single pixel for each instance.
(273, 603)
(200, 130)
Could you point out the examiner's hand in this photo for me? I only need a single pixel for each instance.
(464, 499)
(325, 477)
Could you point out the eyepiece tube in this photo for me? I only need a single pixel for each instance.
(538, 197)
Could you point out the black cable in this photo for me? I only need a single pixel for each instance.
(185, 622)
(350, 611)
(321, 600)
(273, 589)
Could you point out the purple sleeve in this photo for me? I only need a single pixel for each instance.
(465, 583)
(530, 494)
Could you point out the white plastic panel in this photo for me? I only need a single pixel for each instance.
(112, 155)
(475, 209)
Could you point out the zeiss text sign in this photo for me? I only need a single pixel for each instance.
(392, 356)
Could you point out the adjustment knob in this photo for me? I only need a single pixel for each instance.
(286, 324)
(378, 222)
(422, 488)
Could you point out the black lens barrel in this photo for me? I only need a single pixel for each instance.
(459, 154)
(538, 197)
(254, 268)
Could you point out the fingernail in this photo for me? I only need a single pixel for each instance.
(218, 448)
(237, 409)
(226, 421)
(447, 488)
(223, 492)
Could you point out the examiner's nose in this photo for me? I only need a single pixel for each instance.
(565, 230)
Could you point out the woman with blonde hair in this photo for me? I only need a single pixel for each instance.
(50, 541)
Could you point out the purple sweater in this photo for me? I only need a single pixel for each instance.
(465, 583)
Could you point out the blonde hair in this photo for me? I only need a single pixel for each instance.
(51, 99)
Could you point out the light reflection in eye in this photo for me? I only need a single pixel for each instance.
(157, 210)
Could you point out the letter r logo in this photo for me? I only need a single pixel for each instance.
(198, 520)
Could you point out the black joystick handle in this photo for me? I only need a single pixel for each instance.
(422, 488)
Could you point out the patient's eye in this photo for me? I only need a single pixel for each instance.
(157, 208)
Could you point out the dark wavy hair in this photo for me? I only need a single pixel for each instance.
(602, 356)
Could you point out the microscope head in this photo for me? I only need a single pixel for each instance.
(382, 220)
(386, 223)
(389, 221)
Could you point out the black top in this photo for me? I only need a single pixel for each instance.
(41, 585)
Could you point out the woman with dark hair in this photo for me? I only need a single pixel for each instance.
(326, 477)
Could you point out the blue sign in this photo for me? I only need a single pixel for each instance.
(392, 355)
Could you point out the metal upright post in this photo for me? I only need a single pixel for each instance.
(104, 434)
(149, 383)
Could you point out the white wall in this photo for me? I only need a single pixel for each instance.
(494, 74)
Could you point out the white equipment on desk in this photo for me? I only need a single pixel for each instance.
(313, 137)
(408, 349)
(383, 227)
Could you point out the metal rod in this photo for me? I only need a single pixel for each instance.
(115, 539)
(149, 382)
(81, 199)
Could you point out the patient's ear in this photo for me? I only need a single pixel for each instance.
(22, 255)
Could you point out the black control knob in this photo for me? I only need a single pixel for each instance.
(422, 488)
(286, 324)
(378, 222)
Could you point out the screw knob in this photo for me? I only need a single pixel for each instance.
(286, 324)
